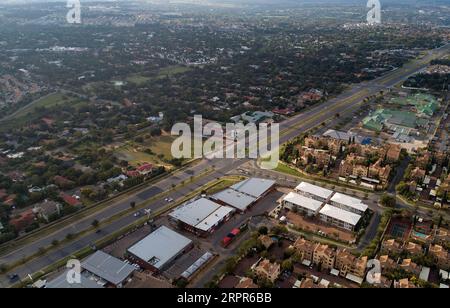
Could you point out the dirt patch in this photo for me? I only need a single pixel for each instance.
(314, 225)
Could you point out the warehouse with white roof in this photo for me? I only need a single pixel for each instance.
(201, 217)
(315, 192)
(243, 195)
(156, 251)
(339, 217)
(235, 199)
(255, 187)
(348, 203)
(303, 204)
(104, 267)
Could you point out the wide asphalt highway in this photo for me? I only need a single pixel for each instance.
(343, 104)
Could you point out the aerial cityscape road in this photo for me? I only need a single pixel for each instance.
(344, 104)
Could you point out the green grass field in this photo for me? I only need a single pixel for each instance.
(33, 111)
(136, 154)
(171, 71)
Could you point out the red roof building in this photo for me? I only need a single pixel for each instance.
(69, 199)
(24, 220)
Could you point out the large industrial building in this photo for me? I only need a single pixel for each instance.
(156, 251)
(201, 217)
(243, 195)
(106, 268)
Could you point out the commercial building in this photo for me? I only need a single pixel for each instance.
(339, 217)
(201, 217)
(314, 192)
(61, 282)
(238, 200)
(302, 204)
(243, 195)
(156, 251)
(107, 270)
(255, 187)
(348, 203)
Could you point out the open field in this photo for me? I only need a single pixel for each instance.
(33, 110)
(171, 71)
(155, 150)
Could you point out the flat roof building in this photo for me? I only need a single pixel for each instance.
(159, 249)
(61, 282)
(254, 187)
(339, 217)
(235, 199)
(303, 204)
(313, 191)
(202, 216)
(108, 268)
(348, 203)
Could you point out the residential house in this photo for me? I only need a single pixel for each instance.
(23, 220)
(324, 256)
(268, 270)
(442, 236)
(440, 255)
(387, 263)
(393, 153)
(246, 283)
(409, 266)
(391, 247)
(347, 263)
(305, 249)
(45, 210)
(404, 284)
(413, 249)
(418, 174)
(266, 241)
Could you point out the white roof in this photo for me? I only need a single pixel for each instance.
(235, 199)
(195, 212)
(160, 247)
(314, 190)
(334, 272)
(425, 273)
(340, 214)
(303, 201)
(215, 217)
(254, 187)
(108, 267)
(444, 274)
(349, 201)
(354, 278)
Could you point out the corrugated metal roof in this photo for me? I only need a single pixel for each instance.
(235, 199)
(195, 212)
(160, 247)
(108, 267)
(340, 214)
(349, 201)
(254, 187)
(314, 190)
(303, 201)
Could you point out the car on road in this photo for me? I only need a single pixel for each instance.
(137, 214)
(13, 277)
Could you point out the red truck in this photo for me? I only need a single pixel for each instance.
(230, 237)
